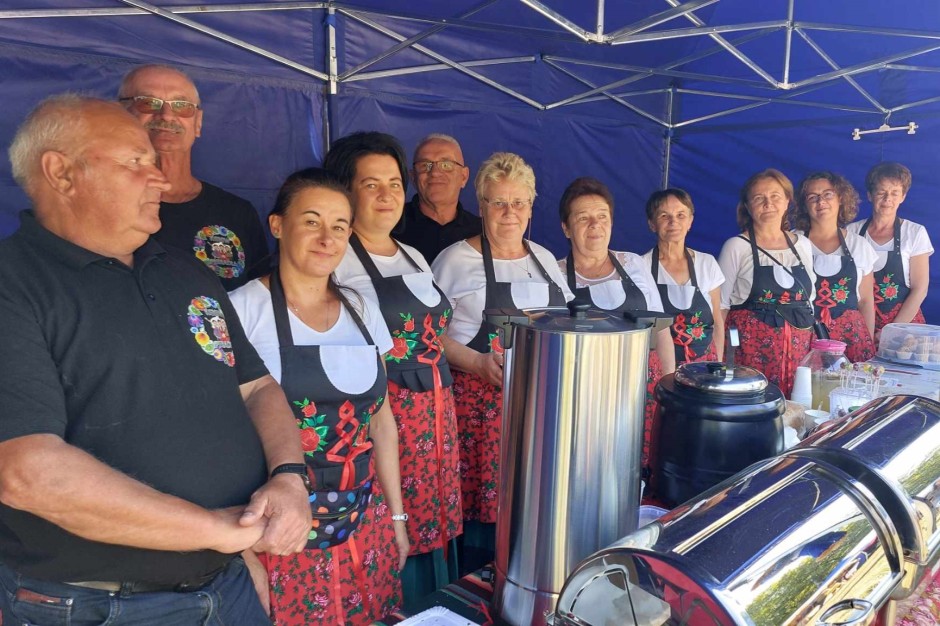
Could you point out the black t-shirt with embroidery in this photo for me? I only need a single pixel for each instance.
(138, 366)
(429, 237)
(221, 230)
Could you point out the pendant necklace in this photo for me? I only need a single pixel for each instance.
(525, 268)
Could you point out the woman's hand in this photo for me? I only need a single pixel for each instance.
(259, 577)
(489, 367)
(401, 540)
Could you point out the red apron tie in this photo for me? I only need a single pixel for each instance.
(360, 574)
(355, 445)
(787, 371)
(682, 338)
(433, 342)
(824, 302)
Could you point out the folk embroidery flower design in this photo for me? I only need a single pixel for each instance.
(840, 291)
(696, 327)
(404, 340)
(210, 330)
(494, 343)
(888, 288)
(221, 249)
(312, 429)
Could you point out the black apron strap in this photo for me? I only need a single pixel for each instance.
(865, 227)
(490, 300)
(897, 232)
(688, 258)
(569, 272)
(845, 247)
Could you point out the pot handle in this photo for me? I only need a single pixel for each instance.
(865, 617)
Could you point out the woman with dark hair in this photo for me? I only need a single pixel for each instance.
(372, 167)
(902, 270)
(769, 278)
(498, 269)
(843, 261)
(614, 281)
(325, 345)
(689, 281)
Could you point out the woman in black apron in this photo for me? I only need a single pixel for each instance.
(416, 313)
(697, 327)
(615, 282)
(902, 272)
(842, 261)
(323, 344)
(769, 284)
(499, 268)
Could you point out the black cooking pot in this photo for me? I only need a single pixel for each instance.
(713, 420)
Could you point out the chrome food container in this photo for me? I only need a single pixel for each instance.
(570, 449)
(892, 445)
(788, 541)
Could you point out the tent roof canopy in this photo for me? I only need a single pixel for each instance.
(671, 64)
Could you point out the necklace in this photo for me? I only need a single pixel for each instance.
(525, 267)
(300, 315)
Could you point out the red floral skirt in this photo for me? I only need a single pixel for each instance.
(883, 319)
(654, 371)
(430, 482)
(775, 352)
(850, 328)
(479, 408)
(347, 584)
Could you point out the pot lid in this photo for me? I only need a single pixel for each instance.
(712, 377)
(578, 317)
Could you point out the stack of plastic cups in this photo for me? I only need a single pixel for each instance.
(803, 387)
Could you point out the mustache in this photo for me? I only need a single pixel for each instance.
(164, 125)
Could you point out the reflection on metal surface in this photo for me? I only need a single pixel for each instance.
(570, 452)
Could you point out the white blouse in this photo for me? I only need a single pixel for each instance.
(862, 253)
(914, 242)
(707, 274)
(458, 271)
(737, 264)
(613, 296)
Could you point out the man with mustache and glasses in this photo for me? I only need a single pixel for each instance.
(219, 228)
(435, 219)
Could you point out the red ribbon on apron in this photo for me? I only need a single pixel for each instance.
(825, 302)
(348, 438)
(434, 344)
(682, 338)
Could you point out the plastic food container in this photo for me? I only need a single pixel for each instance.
(911, 344)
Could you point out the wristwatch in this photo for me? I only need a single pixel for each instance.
(294, 468)
(401, 517)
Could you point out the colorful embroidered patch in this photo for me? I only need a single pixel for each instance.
(220, 249)
(214, 338)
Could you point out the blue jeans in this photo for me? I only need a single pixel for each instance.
(230, 599)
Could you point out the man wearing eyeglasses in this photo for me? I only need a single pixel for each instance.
(219, 228)
(435, 219)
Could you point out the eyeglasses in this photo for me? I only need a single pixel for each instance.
(500, 204)
(829, 195)
(444, 165)
(151, 105)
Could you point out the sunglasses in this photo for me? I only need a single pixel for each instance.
(150, 105)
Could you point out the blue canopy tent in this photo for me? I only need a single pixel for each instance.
(698, 94)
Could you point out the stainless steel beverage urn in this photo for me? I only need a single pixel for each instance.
(570, 454)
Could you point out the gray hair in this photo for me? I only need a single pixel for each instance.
(51, 125)
(437, 137)
(132, 74)
(504, 166)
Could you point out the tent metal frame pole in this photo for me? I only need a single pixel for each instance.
(657, 19)
(721, 41)
(618, 99)
(435, 67)
(600, 19)
(627, 94)
(785, 100)
(866, 30)
(441, 58)
(667, 159)
(711, 78)
(239, 43)
(911, 68)
(909, 105)
(829, 60)
(787, 46)
(688, 59)
(333, 88)
(861, 68)
(412, 40)
(189, 8)
(559, 19)
(699, 31)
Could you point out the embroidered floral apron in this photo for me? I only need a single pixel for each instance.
(891, 289)
(775, 322)
(692, 328)
(836, 305)
(416, 312)
(334, 430)
(479, 404)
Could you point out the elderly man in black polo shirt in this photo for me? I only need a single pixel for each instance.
(435, 219)
(137, 421)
